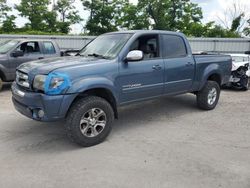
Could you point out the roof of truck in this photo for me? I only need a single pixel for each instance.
(28, 40)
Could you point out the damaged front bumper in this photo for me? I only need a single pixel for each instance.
(39, 106)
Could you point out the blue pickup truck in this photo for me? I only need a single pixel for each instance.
(116, 69)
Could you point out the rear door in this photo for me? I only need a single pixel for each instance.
(142, 79)
(49, 49)
(179, 65)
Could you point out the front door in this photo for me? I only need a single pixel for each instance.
(145, 78)
(31, 52)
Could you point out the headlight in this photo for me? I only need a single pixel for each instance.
(56, 82)
(39, 82)
(52, 84)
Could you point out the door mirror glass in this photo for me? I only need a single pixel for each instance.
(135, 55)
(18, 53)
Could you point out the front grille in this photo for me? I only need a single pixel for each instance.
(22, 79)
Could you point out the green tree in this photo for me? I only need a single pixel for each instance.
(171, 14)
(35, 11)
(237, 22)
(219, 31)
(131, 17)
(102, 16)
(3, 9)
(67, 14)
(9, 24)
(246, 30)
(51, 22)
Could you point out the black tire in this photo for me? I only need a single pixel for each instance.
(203, 96)
(78, 110)
(245, 88)
(1, 83)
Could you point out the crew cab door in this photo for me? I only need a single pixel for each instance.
(49, 49)
(179, 65)
(142, 79)
(31, 51)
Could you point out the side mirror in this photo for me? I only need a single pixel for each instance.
(135, 55)
(17, 53)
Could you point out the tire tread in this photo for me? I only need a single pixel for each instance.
(71, 118)
(202, 96)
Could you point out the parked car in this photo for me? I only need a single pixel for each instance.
(240, 71)
(15, 52)
(113, 70)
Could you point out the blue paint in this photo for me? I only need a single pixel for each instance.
(56, 91)
(124, 81)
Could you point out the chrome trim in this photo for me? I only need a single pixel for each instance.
(22, 79)
(139, 86)
(18, 92)
(172, 82)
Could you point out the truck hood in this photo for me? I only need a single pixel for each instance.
(46, 66)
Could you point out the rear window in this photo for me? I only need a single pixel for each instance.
(174, 46)
(49, 48)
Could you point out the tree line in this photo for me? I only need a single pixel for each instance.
(56, 17)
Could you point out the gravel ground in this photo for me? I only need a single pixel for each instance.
(163, 143)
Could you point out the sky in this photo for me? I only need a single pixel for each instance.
(213, 10)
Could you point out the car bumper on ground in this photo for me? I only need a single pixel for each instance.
(39, 106)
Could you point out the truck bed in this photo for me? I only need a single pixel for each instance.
(204, 62)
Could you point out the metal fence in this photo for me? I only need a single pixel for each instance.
(222, 45)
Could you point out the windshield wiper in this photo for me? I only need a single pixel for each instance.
(98, 56)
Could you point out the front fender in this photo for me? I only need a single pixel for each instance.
(79, 86)
(208, 71)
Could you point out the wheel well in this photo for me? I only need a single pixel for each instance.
(103, 93)
(216, 78)
(2, 75)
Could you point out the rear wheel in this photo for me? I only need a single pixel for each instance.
(246, 87)
(208, 97)
(1, 83)
(89, 121)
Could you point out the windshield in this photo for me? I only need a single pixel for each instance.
(105, 46)
(7, 45)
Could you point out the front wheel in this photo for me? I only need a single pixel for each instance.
(208, 97)
(89, 121)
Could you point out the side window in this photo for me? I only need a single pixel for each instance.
(29, 47)
(49, 48)
(174, 46)
(148, 44)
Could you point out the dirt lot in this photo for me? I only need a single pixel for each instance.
(162, 143)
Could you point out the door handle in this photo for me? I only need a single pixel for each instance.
(41, 58)
(189, 64)
(157, 67)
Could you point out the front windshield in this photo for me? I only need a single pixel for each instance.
(106, 46)
(7, 45)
